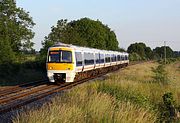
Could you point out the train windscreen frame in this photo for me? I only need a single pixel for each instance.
(60, 56)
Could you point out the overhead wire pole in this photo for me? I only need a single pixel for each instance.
(165, 52)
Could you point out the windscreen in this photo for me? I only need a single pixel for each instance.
(60, 56)
(54, 56)
(66, 56)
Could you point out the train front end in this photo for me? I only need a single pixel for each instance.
(60, 64)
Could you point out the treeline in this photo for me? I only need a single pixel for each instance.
(139, 51)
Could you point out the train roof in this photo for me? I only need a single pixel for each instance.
(87, 49)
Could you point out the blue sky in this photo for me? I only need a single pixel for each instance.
(151, 22)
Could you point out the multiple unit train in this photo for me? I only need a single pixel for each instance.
(69, 63)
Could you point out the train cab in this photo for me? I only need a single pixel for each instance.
(60, 64)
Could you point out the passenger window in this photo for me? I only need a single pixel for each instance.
(119, 58)
(88, 58)
(78, 56)
(113, 58)
(101, 58)
(126, 57)
(122, 58)
(97, 57)
(107, 58)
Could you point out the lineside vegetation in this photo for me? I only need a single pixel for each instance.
(131, 95)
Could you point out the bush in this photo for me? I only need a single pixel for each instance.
(134, 57)
(168, 60)
(16, 73)
(38, 65)
(8, 69)
(160, 75)
(168, 109)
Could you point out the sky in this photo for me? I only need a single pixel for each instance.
(148, 21)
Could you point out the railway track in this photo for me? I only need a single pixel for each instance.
(17, 100)
(18, 96)
(21, 87)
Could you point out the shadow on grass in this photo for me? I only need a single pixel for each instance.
(16, 73)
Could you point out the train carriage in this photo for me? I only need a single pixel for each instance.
(69, 63)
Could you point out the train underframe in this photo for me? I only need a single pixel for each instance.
(98, 71)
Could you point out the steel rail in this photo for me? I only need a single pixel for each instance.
(21, 87)
(23, 94)
(10, 107)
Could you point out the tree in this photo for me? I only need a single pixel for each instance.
(134, 57)
(82, 32)
(136, 48)
(159, 51)
(148, 52)
(121, 50)
(15, 30)
(141, 49)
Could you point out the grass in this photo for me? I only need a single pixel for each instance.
(85, 104)
(129, 95)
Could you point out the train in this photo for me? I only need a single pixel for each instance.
(70, 63)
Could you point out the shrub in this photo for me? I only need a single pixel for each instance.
(160, 75)
(134, 57)
(168, 109)
(15, 73)
(168, 60)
